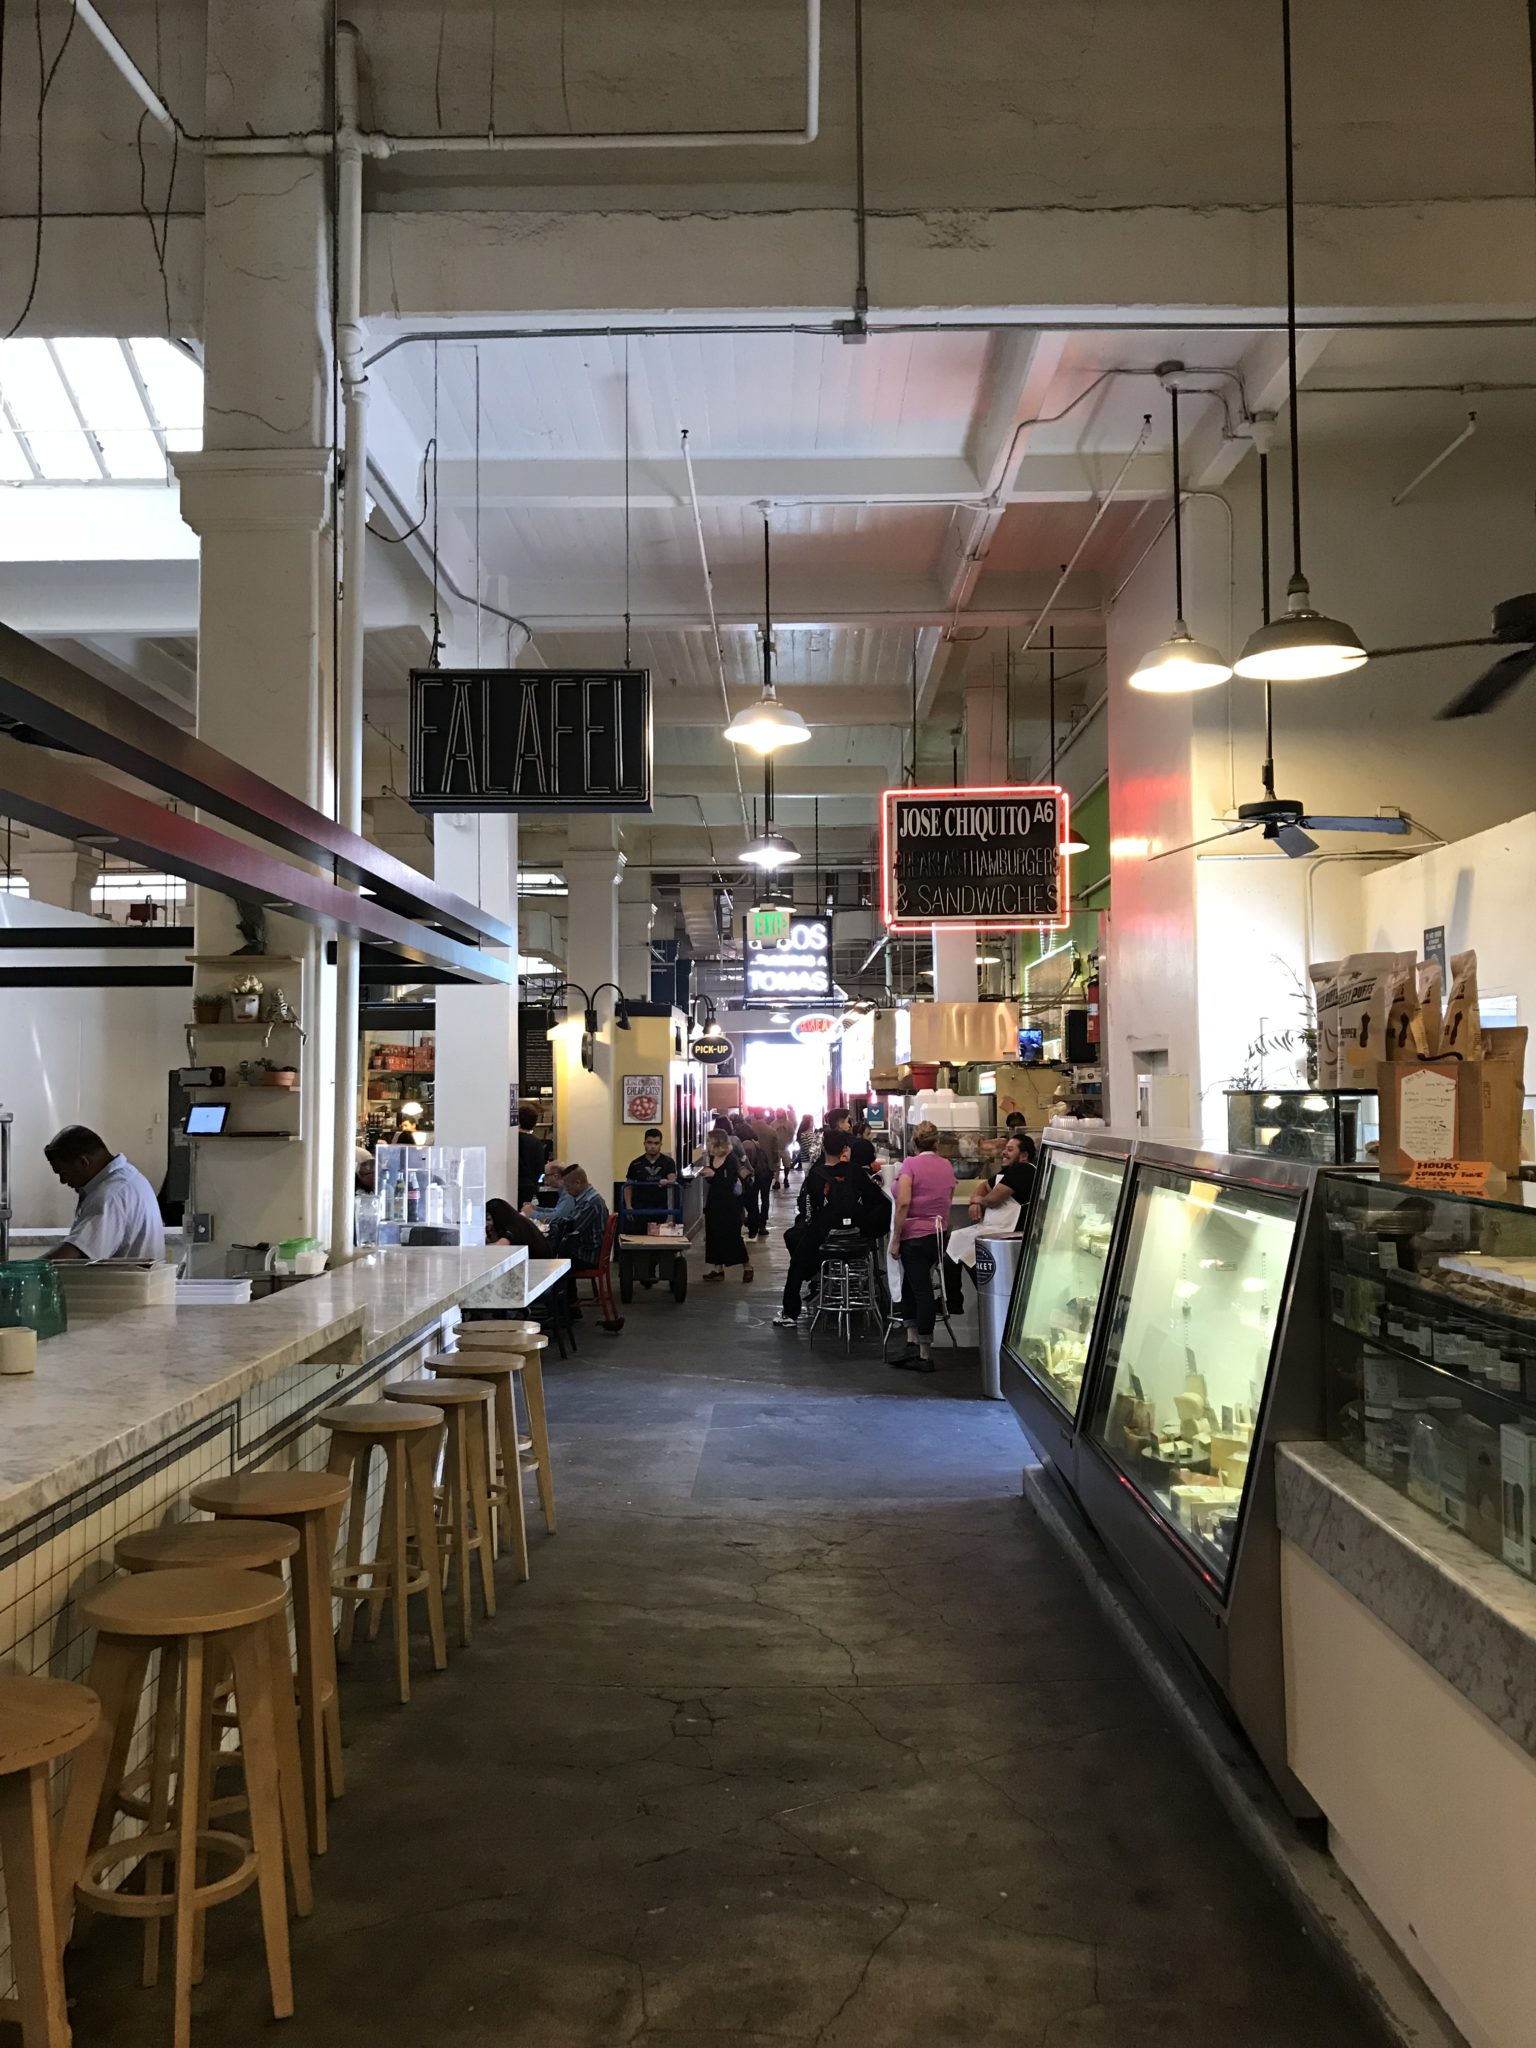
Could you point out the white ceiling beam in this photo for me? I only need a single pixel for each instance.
(1214, 448)
(842, 598)
(830, 704)
(660, 482)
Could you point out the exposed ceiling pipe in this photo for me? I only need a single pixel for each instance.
(1103, 506)
(714, 623)
(1402, 496)
(124, 65)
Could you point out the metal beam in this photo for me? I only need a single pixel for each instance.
(42, 690)
(60, 794)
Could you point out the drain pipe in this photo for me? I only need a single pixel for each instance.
(349, 656)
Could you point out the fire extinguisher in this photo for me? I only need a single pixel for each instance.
(1093, 1011)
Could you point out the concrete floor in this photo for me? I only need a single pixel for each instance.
(801, 1736)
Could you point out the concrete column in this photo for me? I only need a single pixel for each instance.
(637, 914)
(986, 763)
(475, 855)
(258, 496)
(584, 1102)
(60, 875)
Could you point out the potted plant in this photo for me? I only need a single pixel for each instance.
(206, 1008)
(283, 1077)
(245, 998)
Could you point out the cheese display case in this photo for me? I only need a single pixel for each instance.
(1431, 1352)
(1052, 1316)
(1328, 1126)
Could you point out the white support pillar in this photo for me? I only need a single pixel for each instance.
(986, 763)
(584, 1101)
(637, 914)
(475, 1091)
(60, 875)
(258, 496)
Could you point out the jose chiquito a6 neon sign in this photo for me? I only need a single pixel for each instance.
(992, 858)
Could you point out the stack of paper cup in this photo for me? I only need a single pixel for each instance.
(18, 1351)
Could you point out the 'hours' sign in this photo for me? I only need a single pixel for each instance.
(986, 857)
(530, 739)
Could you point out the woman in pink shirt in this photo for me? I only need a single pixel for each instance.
(925, 1187)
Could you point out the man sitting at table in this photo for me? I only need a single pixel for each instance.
(116, 1214)
(577, 1234)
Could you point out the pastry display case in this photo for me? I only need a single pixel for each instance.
(1431, 1351)
(1325, 1126)
(1053, 1315)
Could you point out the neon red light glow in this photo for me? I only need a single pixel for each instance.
(1011, 793)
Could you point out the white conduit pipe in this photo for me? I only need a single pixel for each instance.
(352, 541)
(1103, 506)
(121, 62)
(714, 625)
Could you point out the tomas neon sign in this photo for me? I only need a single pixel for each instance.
(989, 858)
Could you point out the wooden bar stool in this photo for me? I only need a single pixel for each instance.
(311, 1503)
(525, 1341)
(41, 1720)
(231, 1546)
(197, 1618)
(497, 1370)
(465, 1527)
(408, 1438)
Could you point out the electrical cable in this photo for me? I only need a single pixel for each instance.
(1290, 284)
(434, 652)
(478, 577)
(396, 540)
(46, 74)
(628, 650)
(861, 214)
(159, 232)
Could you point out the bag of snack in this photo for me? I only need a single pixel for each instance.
(1322, 974)
(1431, 989)
(1462, 1033)
(1361, 995)
(1405, 1027)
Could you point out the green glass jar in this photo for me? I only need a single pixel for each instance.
(30, 1296)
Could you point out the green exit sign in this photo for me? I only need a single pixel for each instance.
(767, 927)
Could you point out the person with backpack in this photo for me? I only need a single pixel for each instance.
(836, 1196)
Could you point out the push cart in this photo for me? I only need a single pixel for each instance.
(637, 1248)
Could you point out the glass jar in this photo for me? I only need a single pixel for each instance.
(32, 1298)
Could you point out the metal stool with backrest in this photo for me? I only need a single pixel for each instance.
(846, 1289)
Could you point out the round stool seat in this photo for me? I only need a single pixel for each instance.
(202, 1600)
(475, 1365)
(42, 1718)
(437, 1393)
(295, 1492)
(241, 1546)
(501, 1337)
(375, 1418)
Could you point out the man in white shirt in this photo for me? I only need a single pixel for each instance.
(116, 1214)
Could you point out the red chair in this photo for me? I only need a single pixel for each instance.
(601, 1276)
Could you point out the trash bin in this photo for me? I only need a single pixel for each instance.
(997, 1260)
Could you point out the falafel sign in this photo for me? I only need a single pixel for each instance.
(990, 858)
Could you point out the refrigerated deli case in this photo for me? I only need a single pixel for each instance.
(1162, 1338)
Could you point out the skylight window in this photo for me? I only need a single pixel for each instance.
(92, 409)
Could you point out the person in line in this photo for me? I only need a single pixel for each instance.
(805, 1138)
(532, 1155)
(722, 1178)
(724, 1128)
(835, 1195)
(784, 1133)
(644, 1202)
(754, 1180)
(925, 1187)
(861, 1147)
(773, 1151)
(116, 1214)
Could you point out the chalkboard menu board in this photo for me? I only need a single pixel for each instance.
(519, 739)
(985, 857)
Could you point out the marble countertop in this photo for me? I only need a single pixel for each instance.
(113, 1387)
(1469, 1616)
(541, 1275)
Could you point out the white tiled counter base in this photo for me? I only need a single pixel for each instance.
(57, 1553)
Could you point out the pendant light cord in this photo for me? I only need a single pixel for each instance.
(1265, 603)
(1051, 673)
(1290, 291)
(1178, 512)
(767, 609)
(628, 651)
(861, 217)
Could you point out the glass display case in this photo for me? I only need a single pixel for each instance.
(1199, 1293)
(430, 1194)
(1431, 1351)
(1326, 1126)
(1062, 1266)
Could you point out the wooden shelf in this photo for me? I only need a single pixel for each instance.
(241, 1137)
(243, 960)
(246, 1088)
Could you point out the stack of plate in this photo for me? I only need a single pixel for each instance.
(212, 1293)
(110, 1287)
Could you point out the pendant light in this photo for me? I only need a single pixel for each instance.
(767, 725)
(1181, 663)
(1072, 843)
(1303, 646)
(770, 848)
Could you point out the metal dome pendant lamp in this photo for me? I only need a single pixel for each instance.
(771, 848)
(1181, 663)
(767, 725)
(1303, 645)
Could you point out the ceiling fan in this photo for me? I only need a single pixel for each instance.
(1514, 626)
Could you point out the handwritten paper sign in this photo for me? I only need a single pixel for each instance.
(1450, 1176)
(1426, 1116)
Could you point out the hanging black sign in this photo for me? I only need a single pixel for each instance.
(521, 739)
(991, 858)
(711, 1048)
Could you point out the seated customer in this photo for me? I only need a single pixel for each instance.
(506, 1225)
(836, 1195)
(116, 1214)
(577, 1235)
